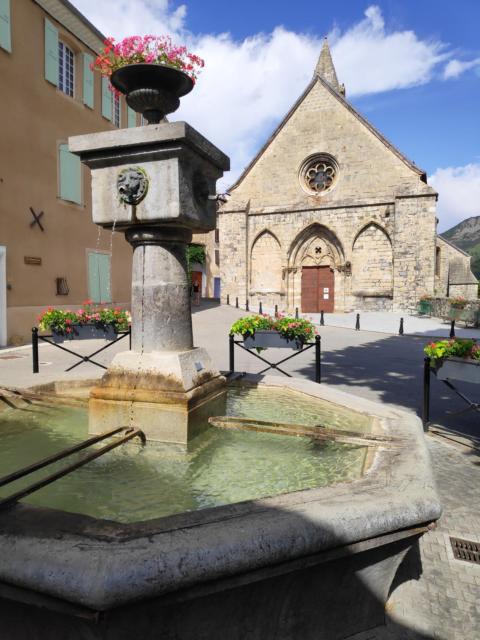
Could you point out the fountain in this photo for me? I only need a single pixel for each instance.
(156, 184)
(303, 549)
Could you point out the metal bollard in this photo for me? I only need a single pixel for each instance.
(296, 313)
(452, 329)
(318, 370)
(236, 303)
(35, 349)
(357, 323)
(130, 338)
(322, 320)
(400, 330)
(247, 305)
(276, 310)
(260, 309)
(228, 298)
(231, 353)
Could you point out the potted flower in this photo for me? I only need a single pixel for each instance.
(151, 71)
(456, 359)
(90, 321)
(457, 305)
(263, 331)
(425, 305)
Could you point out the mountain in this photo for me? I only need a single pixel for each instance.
(466, 235)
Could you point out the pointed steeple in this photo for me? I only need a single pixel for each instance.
(326, 70)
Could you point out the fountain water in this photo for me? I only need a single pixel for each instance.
(157, 185)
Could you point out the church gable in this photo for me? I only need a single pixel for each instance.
(349, 160)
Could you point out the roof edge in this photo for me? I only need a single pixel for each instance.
(453, 245)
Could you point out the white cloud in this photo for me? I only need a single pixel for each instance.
(247, 86)
(370, 59)
(121, 18)
(458, 194)
(455, 68)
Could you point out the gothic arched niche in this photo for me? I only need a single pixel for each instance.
(372, 262)
(316, 246)
(266, 264)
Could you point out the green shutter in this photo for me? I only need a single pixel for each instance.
(106, 99)
(93, 277)
(104, 270)
(132, 117)
(87, 80)
(99, 277)
(70, 175)
(51, 53)
(5, 31)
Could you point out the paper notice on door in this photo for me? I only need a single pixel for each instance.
(326, 289)
(325, 296)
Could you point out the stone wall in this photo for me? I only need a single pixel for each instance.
(453, 265)
(441, 307)
(293, 236)
(372, 263)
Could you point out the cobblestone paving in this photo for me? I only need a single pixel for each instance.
(443, 602)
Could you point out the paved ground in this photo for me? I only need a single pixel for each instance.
(443, 601)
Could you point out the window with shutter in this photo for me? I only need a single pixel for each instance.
(70, 175)
(106, 99)
(51, 53)
(88, 82)
(5, 29)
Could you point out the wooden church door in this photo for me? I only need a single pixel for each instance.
(317, 289)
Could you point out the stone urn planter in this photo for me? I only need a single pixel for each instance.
(86, 332)
(464, 369)
(271, 339)
(154, 90)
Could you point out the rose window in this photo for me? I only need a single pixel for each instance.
(318, 173)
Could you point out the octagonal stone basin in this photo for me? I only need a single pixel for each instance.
(310, 558)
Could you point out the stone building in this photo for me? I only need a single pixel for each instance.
(51, 253)
(331, 216)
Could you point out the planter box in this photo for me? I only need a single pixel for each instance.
(86, 332)
(271, 339)
(455, 313)
(425, 307)
(459, 369)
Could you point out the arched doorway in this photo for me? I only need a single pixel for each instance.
(314, 260)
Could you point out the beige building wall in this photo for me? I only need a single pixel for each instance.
(36, 117)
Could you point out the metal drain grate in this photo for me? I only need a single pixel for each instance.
(466, 550)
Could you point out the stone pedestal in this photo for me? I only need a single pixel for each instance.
(163, 385)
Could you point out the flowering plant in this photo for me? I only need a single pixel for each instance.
(150, 49)
(458, 347)
(290, 328)
(458, 303)
(426, 298)
(63, 322)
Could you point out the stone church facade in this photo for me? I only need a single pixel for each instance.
(330, 216)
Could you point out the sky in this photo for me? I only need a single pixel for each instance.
(412, 67)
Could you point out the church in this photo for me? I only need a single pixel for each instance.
(330, 216)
